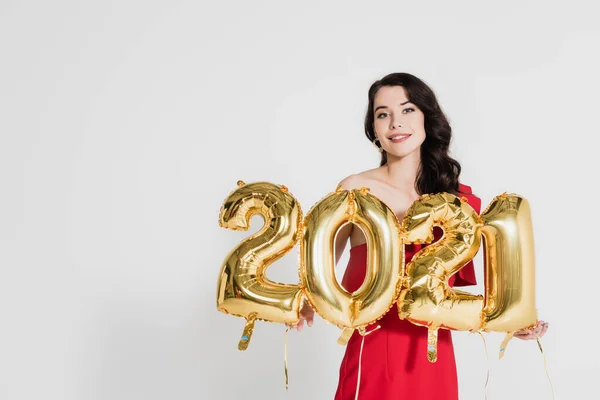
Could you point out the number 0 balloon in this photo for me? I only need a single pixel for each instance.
(384, 260)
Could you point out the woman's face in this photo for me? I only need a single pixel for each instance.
(399, 124)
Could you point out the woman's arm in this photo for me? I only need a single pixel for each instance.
(341, 238)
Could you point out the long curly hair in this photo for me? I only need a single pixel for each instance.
(438, 171)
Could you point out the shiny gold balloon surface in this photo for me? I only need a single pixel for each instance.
(385, 258)
(509, 265)
(421, 289)
(426, 299)
(243, 289)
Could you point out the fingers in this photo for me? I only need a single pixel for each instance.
(533, 333)
(541, 328)
(528, 336)
(544, 328)
(300, 325)
(525, 334)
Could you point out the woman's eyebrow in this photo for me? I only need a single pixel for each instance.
(406, 102)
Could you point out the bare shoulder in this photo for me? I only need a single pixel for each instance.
(358, 180)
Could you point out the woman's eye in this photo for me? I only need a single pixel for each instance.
(408, 110)
(382, 115)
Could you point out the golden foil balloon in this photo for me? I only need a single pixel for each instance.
(243, 289)
(509, 265)
(426, 299)
(385, 258)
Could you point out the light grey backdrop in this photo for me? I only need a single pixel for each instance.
(124, 124)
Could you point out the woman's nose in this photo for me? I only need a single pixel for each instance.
(396, 124)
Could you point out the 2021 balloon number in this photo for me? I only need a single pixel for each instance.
(420, 288)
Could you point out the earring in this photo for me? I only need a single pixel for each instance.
(377, 144)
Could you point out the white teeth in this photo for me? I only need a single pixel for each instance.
(399, 137)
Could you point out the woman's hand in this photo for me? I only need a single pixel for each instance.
(533, 333)
(306, 314)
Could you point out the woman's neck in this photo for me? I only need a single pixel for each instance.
(402, 171)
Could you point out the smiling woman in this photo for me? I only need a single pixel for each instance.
(404, 104)
(405, 122)
(398, 123)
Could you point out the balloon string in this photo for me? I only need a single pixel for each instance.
(247, 334)
(345, 336)
(545, 366)
(285, 358)
(504, 344)
(359, 366)
(360, 357)
(432, 340)
(487, 360)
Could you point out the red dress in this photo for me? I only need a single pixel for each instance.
(394, 358)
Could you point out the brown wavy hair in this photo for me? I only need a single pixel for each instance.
(438, 171)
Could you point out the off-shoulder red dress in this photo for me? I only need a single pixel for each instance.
(394, 361)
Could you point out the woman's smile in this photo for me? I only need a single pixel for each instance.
(399, 137)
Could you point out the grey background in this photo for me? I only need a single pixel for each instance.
(124, 125)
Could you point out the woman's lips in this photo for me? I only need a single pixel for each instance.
(399, 137)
